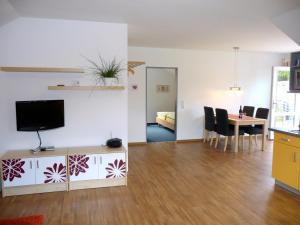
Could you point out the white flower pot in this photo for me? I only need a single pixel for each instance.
(110, 81)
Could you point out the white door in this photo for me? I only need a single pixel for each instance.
(51, 170)
(18, 172)
(112, 165)
(83, 167)
(283, 109)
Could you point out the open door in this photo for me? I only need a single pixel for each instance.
(283, 103)
(161, 102)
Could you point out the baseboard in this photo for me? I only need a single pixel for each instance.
(189, 140)
(137, 143)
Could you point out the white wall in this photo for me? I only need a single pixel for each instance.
(203, 79)
(89, 116)
(160, 101)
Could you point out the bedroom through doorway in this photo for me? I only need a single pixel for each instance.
(161, 102)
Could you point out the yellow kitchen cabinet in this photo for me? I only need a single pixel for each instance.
(286, 163)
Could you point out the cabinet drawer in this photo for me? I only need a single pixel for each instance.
(287, 139)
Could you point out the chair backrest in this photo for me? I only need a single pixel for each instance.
(262, 113)
(248, 110)
(209, 118)
(222, 121)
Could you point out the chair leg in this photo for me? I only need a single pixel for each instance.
(255, 139)
(243, 138)
(217, 139)
(225, 145)
(211, 140)
(204, 135)
(250, 142)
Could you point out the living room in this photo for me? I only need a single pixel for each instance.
(54, 50)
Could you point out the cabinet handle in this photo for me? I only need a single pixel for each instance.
(100, 159)
(37, 164)
(30, 164)
(286, 139)
(95, 160)
(295, 156)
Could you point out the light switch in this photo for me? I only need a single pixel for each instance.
(182, 104)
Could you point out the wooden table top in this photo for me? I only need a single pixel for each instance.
(245, 118)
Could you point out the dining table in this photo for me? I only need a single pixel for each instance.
(244, 121)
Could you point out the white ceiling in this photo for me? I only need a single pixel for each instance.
(194, 24)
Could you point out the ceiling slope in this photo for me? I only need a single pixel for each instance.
(7, 12)
(289, 23)
(192, 24)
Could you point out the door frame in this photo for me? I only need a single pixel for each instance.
(274, 73)
(176, 100)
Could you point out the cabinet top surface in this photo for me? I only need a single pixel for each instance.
(62, 152)
(95, 150)
(295, 133)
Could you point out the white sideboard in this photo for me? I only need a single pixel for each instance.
(25, 172)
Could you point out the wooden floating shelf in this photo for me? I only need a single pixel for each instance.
(41, 69)
(84, 88)
(133, 64)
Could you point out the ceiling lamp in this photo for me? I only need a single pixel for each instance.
(235, 87)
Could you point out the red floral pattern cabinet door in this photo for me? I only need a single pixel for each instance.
(18, 172)
(51, 170)
(112, 166)
(83, 167)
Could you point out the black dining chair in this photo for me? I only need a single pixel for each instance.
(210, 125)
(248, 110)
(261, 113)
(223, 127)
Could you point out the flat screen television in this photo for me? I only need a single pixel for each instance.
(39, 115)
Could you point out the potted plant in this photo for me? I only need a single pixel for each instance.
(106, 72)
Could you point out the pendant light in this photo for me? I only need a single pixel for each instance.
(235, 87)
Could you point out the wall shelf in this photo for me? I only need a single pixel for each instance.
(133, 64)
(42, 69)
(85, 88)
(17, 69)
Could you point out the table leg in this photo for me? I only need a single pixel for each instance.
(236, 137)
(263, 141)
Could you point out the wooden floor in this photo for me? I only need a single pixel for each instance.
(173, 184)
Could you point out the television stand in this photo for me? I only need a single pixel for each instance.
(49, 171)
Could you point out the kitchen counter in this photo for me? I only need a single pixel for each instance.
(286, 131)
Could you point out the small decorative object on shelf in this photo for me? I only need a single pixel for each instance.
(106, 72)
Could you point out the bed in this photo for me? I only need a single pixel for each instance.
(166, 119)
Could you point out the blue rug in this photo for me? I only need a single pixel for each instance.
(157, 133)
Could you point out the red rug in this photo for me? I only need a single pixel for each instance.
(29, 220)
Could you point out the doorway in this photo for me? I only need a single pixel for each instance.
(161, 104)
(285, 106)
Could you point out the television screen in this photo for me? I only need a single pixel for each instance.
(39, 115)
